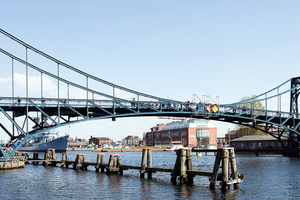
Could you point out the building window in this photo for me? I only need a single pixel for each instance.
(272, 144)
(183, 133)
(202, 133)
(157, 135)
(202, 136)
(175, 134)
(165, 135)
(247, 144)
(267, 144)
(233, 144)
(259, 144)
(242, 144)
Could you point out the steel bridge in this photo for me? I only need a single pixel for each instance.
(30, 116)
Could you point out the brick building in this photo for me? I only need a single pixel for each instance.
(231, 135)
(257, 142)
(99, 141)
(191, 132)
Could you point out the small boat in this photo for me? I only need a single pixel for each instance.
(175, 146)
(45, 141)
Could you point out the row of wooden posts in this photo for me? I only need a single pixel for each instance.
(182, 172)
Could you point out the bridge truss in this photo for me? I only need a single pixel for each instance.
(30, 116)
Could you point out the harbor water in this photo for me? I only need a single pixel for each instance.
(267, 177)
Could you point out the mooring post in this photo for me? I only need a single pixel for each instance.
(149, 162)
(100, 161)
(113, 166)
(35, 157)
(189, 165)
(26, 157)
(233, 168)
(225, 176)
(175, 172)
(143, 163)
(180, 167)
(183, 174)
(64, 158)
(119, 162)
(48, 157)
(79, 162)
(215, 173)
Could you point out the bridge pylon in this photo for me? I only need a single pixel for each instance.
(295, 82)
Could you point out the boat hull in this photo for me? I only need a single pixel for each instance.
(59, 144)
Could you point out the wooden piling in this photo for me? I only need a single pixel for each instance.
(113, 164)
(35, 157)
(149, 162)
(175, 172)
(100, 161)
(26, 157)
(146, 161)
(79, 162)
(143, 163)
(49, 156)
(189, 165)
(64, 158)
(229, 173)
(214, 177)
(225, 176)
(182, 174)
(234, 168)
(181, 166)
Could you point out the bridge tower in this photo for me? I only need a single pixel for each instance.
(294, 108)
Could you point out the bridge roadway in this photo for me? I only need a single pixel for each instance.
(76, 110)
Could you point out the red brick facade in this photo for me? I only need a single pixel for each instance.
(187, 135)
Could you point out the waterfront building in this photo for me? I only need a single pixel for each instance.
(231, 135)
(131, 140)
(221, 141)
(253, 142)
(190, 132)
(99, 141)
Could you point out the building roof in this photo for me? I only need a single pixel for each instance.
(102, 138)
(232, 132)
(255, 137)
(77, 144)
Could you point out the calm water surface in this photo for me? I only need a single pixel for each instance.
(267, 177)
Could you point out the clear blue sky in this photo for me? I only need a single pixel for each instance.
(171, 49)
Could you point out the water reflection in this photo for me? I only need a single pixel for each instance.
(184, 191)
(146, 191)
(226, 194)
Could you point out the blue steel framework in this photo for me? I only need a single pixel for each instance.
(55, 112)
